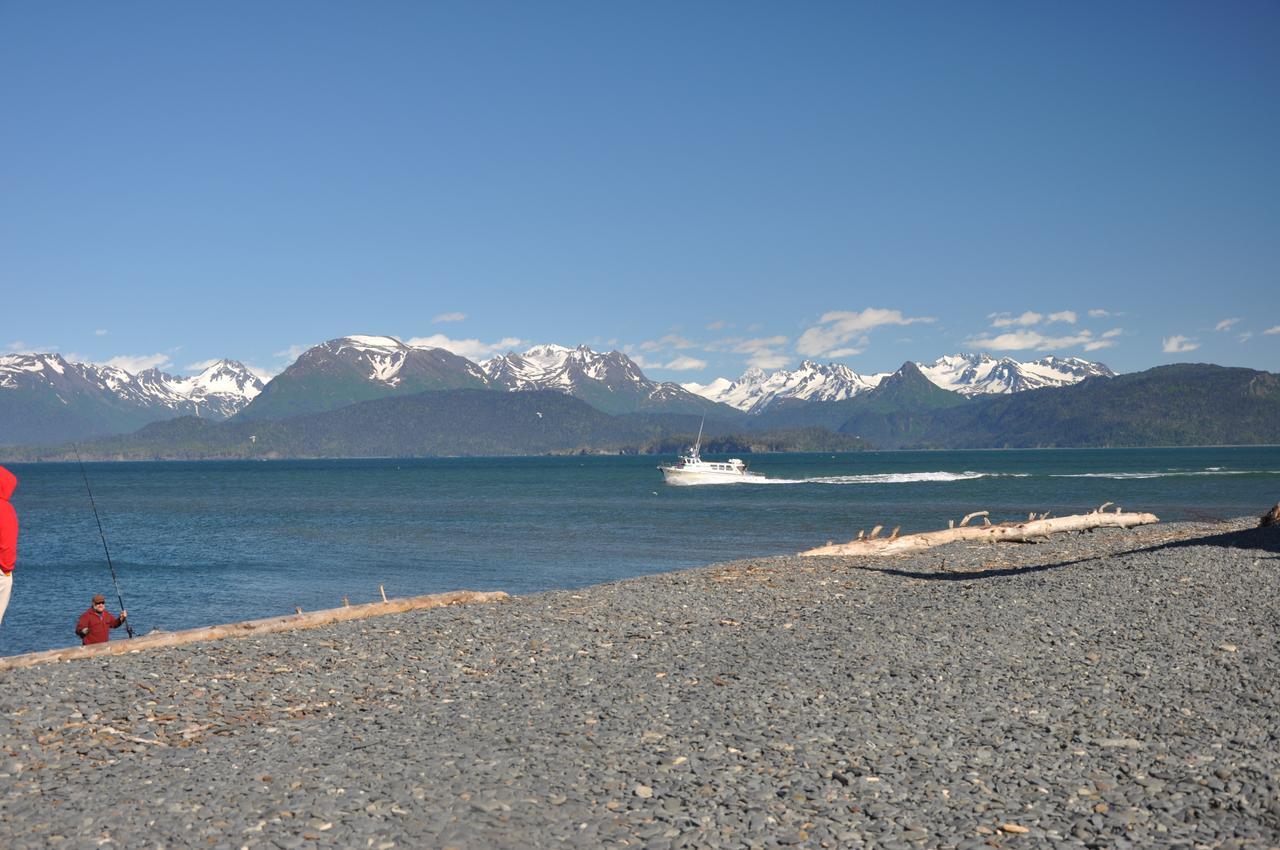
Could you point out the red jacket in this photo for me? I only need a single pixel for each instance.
(8, 522)
(99, 625)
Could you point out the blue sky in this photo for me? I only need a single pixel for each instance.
(706, 186)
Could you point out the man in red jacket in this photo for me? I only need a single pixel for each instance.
(96, 624)
(8, 537)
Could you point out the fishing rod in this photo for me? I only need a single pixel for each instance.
(128, 628)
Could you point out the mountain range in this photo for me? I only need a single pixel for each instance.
(319, 406)
(1184, 404)
(45, 398)
(967, 374)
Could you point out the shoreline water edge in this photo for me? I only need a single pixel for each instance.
(1113, 688)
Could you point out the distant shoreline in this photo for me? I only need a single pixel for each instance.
(96, 459)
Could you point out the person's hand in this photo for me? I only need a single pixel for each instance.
(124, 614)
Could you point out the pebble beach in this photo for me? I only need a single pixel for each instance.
(1105, 689)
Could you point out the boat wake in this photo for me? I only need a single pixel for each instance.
(1168, 473)
(891, 478)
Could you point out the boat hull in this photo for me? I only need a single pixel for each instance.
(687, 477)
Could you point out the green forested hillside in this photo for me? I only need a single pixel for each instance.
(441, 423)
(1185, 404)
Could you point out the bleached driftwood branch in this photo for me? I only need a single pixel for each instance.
(248, 628)
(1019, 532)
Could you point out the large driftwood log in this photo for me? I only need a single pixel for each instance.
(248, 628)
(1020, 532)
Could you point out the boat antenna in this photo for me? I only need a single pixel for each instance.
(698, 444)
(128, 628)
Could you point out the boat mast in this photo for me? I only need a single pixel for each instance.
(698, 444)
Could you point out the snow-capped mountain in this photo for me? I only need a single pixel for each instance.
(610, 382)
(756, 390)
(387, 360)
(352, 369)
(967, 374)
(974, 374)
(217, 392)
(44, 397)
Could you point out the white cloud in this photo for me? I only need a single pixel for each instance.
(1099, 344)
(669, 341)
(1275, 330)
(1225, 324)
(293, 352)
(738, 345)
(1111, 334)
(844, 352)
(641, 361)
(472, 349)
(685, 364)
(717, 326)
(135, 363)
(1004, 320)
(202, 365)
(838, 327)
(1030, 318)
(1101, 314)
(264, 375)
(1246, 336)
(1179, 344)
(1025, 340)
(100, 332)
(450, 317)
(768, 360)
(20, 347)
(761, 351)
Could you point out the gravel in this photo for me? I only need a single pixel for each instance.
(1112, 689)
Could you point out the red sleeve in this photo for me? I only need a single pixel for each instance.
(8, 536)
(83, 622)
(112, 622)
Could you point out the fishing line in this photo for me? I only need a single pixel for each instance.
(128, 628)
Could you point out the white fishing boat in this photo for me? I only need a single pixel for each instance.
(692, 469)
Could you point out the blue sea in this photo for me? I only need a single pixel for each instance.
(206, 542)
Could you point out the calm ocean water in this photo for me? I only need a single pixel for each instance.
(203, 543)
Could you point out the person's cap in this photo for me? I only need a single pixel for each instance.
(99, 598)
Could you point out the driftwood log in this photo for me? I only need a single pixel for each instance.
(248, 628)
(1271, 517)
(1013, 532)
